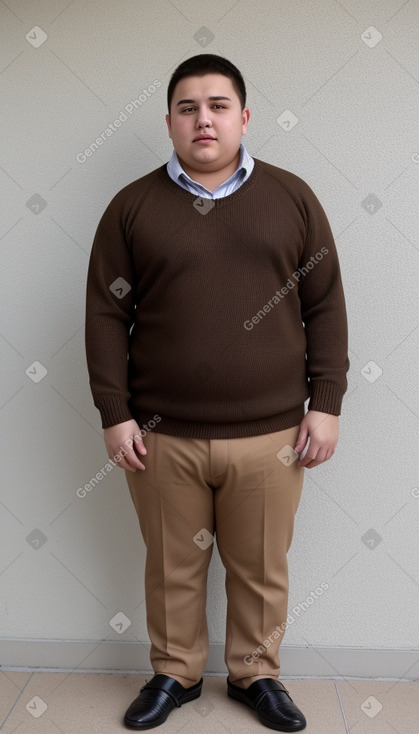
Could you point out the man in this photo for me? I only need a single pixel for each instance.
(218, 277)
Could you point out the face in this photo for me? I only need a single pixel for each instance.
(194, 113)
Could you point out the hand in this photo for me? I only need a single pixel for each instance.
(323, 431)
(124, 440)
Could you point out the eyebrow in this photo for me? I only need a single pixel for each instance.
(211, 99)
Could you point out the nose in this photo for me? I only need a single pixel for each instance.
(203, 120)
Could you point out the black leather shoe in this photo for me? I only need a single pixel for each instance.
(157, 699)
(272, 702)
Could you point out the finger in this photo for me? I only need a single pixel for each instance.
(330, 453)
(126, 458)
(126, 467)
(139, 445)
(309, 457)
(131, 465)
(304, 452)
(301, 440)
(305, 462)
(133, 461)
(319, 458)
(314, 456)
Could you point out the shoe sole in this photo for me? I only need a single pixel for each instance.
(238, 696)
(185, 699)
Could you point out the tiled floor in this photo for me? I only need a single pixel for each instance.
(93, 703)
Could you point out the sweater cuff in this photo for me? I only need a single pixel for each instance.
(113, 409)
(325, 397)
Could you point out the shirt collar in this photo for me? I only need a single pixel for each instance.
(244, 167)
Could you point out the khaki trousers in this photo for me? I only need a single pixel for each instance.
(241, 492)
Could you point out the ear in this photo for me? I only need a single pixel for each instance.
(169, 125)
(245, 119)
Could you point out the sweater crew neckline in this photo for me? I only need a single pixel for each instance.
(220, 201)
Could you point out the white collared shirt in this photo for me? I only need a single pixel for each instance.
(242, 172)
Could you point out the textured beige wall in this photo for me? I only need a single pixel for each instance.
(349, 74)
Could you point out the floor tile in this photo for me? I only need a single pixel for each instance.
(380, 707)
(85, 703)
(11, 684)
(319, 702)
(89, 703)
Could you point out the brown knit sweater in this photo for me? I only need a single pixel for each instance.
(220, 317)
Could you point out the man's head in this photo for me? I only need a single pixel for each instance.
(207, 64)
(206, 96)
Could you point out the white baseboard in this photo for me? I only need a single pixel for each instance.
(115, 656)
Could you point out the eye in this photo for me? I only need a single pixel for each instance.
(189, 109)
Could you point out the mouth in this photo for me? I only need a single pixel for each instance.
(203, 138)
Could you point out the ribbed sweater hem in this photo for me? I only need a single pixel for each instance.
(191, 429)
